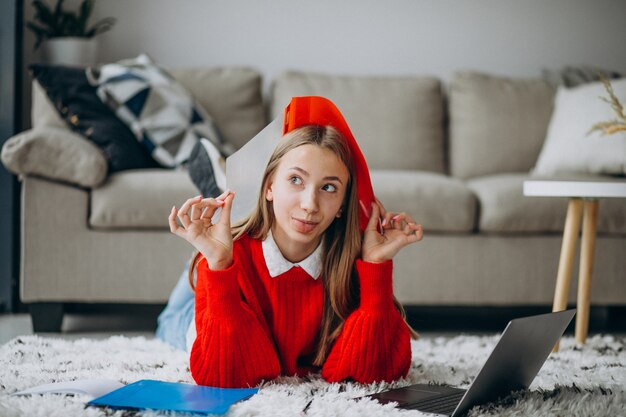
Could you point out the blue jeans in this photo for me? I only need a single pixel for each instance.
(175, 319)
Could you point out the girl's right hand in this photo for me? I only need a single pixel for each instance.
(214, 241)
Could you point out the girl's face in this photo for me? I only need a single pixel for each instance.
(307, 191)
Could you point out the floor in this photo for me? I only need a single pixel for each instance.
(77, 326)
(131, 321)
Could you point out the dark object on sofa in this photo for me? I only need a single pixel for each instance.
(79, 106)
(572, 76)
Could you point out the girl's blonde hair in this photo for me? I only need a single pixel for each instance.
(342, 239)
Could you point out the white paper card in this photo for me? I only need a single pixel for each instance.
(92, 388)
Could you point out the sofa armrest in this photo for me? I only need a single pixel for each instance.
(57, 154)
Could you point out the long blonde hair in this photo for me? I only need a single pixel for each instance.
(342, 239)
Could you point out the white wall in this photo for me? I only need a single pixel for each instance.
(508, 37)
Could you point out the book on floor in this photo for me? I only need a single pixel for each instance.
(148, 394)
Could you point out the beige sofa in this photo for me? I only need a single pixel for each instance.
(454, 156)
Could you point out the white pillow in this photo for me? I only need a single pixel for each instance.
(568, 148)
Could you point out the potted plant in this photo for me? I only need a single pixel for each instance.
(64, 36)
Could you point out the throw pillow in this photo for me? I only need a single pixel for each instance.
(164, 117)
(79, 106)
(57, 154)
(497, 124)
(568, 148)
(207, 168)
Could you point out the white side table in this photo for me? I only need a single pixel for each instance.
(583, 198)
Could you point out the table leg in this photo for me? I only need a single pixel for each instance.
(568, 248)
(587, 248)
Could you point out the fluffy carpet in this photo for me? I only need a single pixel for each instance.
(577, 381)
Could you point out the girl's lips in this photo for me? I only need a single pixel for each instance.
(303, 226)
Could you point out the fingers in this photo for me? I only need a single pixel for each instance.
(197, 208)
(174, 227)
(372, 224)
(195, 212)
(397, 220)
(383, 211)
(403, 223)
(414, 232)
(210, 206)
(226, 208)
(183, 213)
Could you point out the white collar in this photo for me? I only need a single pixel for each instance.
(277, 264)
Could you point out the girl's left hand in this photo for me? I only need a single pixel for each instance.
(399, 230)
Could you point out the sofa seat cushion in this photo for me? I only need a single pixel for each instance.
(504, 208)
(139, 199)
(398, 121)
(440, 203)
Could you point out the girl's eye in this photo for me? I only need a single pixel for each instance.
(330, 188)
(295, 180)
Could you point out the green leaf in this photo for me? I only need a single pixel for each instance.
(101, 26)
(86, 8)
(43, 14)
(41, 33)
(48, 23)
(71, 25)
(58, 10)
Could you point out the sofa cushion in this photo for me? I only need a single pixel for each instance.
(232, 96)
(139, 199)
(570, 146)
(398, 121)
(497, 124)
(438, 202)
(165, 118)
(504, 208)
(55, 153)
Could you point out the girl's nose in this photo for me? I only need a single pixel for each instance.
(309, 200)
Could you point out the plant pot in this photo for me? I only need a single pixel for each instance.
(70, 51)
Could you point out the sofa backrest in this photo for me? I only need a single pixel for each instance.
(232, 96)
(398, 121)
(497, 124)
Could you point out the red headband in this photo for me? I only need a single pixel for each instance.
(303, 111)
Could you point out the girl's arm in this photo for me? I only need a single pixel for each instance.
(375, 343)
(232, 348)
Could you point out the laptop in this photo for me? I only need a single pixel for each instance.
(516, 359)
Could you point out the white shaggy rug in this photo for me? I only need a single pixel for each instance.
(587, 381)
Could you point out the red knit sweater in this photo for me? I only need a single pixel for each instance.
(252, 327)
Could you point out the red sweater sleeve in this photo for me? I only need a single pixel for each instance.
(232, 349)
(375, 343)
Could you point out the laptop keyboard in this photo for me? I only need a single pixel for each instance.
(439, 405)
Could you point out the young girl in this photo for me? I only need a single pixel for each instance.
(298, 285)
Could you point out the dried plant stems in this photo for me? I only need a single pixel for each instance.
(610, 127)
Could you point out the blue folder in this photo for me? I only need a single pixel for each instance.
(148, 394)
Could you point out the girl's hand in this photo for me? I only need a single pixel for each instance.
(214, 241)
(398, 231)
